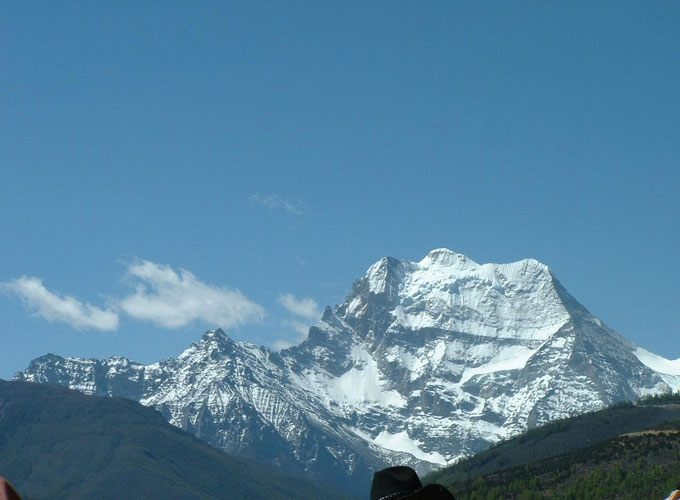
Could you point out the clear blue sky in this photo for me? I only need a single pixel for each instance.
(280, 148)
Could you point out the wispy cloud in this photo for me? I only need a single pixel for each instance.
(305, 308)
(298, 326)
(174, 299)
(166, 297)
(281, 344)
(276, 202)
(63, 308)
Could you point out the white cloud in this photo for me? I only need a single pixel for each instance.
(281, 344)
(66, 309)
(306, 308)
(275, 201)
(298, 326)
(173, 299)
(302, 329)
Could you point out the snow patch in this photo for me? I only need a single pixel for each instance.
(667, 369)
(361, 386)
(363, 383)
(401, 441)
(658, 363)
(510, 358)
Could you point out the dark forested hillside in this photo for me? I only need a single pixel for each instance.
(632, 467)
(56, 443)
(642, 461)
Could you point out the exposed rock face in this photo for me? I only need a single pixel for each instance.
(424, 362)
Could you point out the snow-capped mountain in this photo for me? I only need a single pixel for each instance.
(423, 363)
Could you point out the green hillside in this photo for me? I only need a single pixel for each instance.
(633, 467)
(626, 452)
(56, 443)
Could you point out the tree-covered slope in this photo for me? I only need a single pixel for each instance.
(57, 443)
(626, 452)
(631, 467)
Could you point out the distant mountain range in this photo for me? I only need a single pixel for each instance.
(56, 444)
(422, 364)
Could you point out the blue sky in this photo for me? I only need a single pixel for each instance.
(261, 155)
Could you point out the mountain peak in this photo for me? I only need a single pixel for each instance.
(448, 258)
(383, 274)
(217, 335)
(449, 291)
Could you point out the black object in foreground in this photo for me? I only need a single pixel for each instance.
(402, 483)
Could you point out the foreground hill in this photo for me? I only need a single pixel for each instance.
(422, 364)
(626, 452)
(56, 443)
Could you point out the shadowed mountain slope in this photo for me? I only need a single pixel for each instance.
(57, 443)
